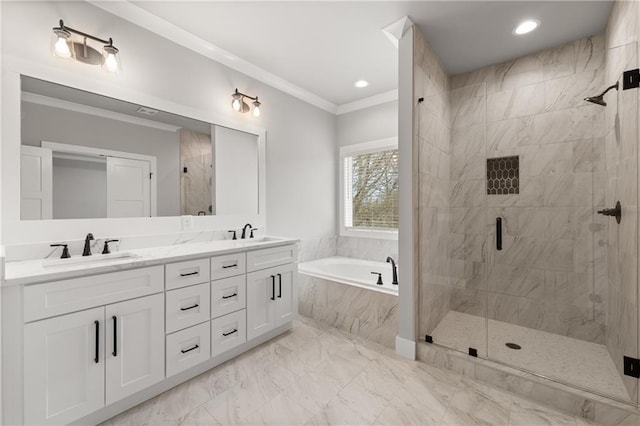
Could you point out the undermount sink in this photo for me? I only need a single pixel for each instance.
(89, 260)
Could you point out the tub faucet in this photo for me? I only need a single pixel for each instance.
(87, 244)
(394, 269)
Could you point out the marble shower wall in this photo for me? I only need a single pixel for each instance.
(532, 107)
(432, 148)
(621, 170)
(196, 184)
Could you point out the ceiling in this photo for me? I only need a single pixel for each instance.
(323, 47)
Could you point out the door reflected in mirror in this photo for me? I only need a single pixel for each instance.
(86, 155)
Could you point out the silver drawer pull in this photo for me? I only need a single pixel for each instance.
(235, 265)
(235, 330)
(230, 296)
(184, 351)
(190, 307)
(189, 274)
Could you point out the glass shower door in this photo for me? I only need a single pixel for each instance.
(562, 285)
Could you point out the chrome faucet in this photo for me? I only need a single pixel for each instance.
(394, 269)
(87, 244)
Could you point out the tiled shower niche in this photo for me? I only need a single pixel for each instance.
(503, 175)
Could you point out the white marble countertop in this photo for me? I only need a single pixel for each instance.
(38, 271)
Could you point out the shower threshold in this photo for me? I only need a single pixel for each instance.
(576, 362)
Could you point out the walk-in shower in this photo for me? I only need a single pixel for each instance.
(516, 264)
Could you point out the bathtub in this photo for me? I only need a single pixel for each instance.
(354, 272)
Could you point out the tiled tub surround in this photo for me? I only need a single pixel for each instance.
(368, 313)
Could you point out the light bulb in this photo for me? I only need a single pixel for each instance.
(111, 62)
(62, 47)
(236, 104)
(256, 111)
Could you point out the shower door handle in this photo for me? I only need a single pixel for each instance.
(498, 233)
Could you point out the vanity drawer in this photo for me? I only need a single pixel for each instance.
(228, 265)
(187, 306)
(61, 297)
(191, 272)
(270, 257)
(187, 348)
(228, 295)
(228, 331)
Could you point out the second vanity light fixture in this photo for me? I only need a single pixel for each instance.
(65, 47)
(238, 103)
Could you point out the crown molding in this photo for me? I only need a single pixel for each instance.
(98, 112)
(138, 16)
(374, 100)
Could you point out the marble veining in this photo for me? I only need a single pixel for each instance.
(31, 271)
(331, 377)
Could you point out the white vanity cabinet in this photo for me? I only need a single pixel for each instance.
(64, 367)
(93, 346)
(77, 363)
(271, 299)
(135, 346)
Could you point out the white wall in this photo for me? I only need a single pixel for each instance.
(40, 122)
(369, 124)
(300, 148)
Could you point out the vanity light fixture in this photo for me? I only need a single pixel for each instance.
(238, 103)
(65, 47)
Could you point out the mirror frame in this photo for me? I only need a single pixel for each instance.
(17, 231)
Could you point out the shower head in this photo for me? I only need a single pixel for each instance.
(599, 100)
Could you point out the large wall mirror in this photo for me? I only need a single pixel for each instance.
(85, 155)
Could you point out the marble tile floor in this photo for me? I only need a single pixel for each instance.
(317, 375)
(572, 361)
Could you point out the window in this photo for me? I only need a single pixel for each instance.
(369, 189)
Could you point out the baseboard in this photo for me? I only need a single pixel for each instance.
(406, 348)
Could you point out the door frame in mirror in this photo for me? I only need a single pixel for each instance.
(16, 231)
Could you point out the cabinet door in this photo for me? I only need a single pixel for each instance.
(135, 346)
(260, 302)
(286, 297)
(64, 367)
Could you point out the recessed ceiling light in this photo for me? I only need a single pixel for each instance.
(361, 83)
(526, 26)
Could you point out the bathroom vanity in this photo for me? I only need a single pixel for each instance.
(89, 339)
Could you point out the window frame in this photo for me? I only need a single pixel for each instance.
(350, 151)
